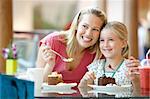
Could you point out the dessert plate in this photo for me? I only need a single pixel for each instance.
(115, 93)
(58, 87)
(110, 88)
(66, 91)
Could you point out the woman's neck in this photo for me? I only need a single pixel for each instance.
(79, 50)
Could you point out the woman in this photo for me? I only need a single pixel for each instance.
(114, 46)
(80, 42)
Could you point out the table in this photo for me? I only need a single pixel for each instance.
(88, 92)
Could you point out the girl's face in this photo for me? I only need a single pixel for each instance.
(88, 30)
(110, 44)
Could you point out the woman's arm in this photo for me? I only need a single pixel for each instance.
(48, 70)
(46, 60)
(40, 61)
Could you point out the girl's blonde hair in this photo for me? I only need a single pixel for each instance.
(120, 30)
(71, 33)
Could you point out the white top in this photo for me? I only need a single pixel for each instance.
(120, 76)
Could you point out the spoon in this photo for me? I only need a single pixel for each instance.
(62, 57)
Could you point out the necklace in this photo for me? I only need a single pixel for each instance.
(109, 66)
(118, 67)
(113, 68)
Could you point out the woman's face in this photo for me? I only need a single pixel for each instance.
(110, 44)
(88, 30)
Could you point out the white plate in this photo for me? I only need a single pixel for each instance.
(113, 88)
(127, 93)
(66, 91)
(60, 86)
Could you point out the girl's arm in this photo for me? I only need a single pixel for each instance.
(88, 78)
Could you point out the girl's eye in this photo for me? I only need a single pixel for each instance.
(101, 40)
(110, 39)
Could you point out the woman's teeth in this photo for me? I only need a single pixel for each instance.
(87, 39)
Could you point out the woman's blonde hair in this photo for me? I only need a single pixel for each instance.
(71, 33)
(121, 31)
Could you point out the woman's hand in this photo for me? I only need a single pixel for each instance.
(133, 70)
(47, 59)
(47, 54)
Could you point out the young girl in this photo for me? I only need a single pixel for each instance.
(114, 48)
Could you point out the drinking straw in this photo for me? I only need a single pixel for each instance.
(148, 52)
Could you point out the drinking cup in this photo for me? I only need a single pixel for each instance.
(36, 75)
(145, 76)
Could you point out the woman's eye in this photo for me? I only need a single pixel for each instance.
(96, 30)
(85, 26)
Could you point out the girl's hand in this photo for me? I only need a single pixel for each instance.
(47, 54)
(89, 76)
(133, 70)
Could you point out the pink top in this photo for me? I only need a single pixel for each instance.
(68, 76)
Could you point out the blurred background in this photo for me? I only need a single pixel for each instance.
(26, 22)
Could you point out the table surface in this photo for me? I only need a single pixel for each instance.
(89, 92)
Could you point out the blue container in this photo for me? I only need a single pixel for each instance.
(14, 88)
